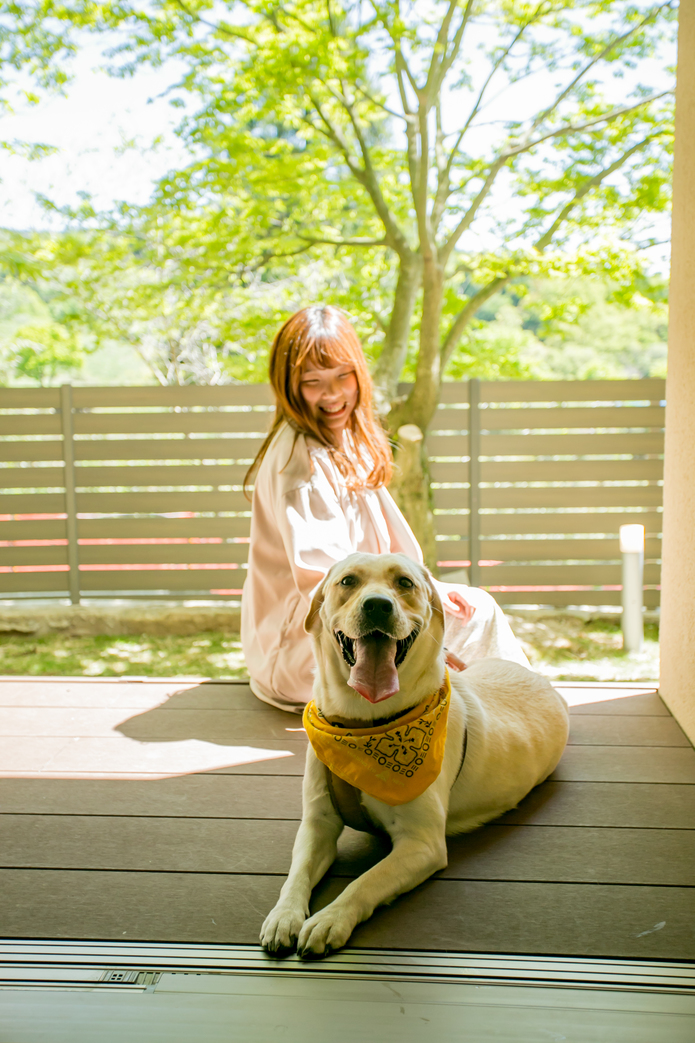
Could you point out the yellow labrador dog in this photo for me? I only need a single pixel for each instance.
(395, 747)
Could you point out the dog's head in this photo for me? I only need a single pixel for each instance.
(378, 627)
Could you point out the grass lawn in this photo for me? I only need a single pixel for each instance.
(566, 647)
(563, 647)
(203, 655)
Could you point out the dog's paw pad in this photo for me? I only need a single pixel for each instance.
(281, 929)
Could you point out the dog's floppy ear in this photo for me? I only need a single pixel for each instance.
(315, 607)
(435, 600)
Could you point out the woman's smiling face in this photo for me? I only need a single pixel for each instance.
(331, 395)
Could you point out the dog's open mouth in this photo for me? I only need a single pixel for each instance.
(374, 660)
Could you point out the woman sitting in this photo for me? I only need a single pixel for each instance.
(319, 495)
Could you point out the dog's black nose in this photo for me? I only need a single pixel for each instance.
(378, 609)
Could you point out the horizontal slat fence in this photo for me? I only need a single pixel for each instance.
(561, 466)
(155, 478)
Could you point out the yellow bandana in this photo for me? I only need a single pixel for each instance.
(394, 762)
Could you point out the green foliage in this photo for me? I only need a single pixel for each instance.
(40, 352)
(38, 341)
(587, 332)
(104, 298)
(565, 329)
(157, 286)
(494, 350)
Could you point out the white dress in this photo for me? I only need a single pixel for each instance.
(304, 520)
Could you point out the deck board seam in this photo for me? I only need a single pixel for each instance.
(343, 876)
(253, 818)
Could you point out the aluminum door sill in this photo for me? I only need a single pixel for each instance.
(138, 966)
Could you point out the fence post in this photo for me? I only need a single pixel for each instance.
(70, 500)
(474, 480)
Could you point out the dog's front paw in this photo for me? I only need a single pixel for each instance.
(281, 929)
(324, 932)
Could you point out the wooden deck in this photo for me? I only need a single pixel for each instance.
(166, 811)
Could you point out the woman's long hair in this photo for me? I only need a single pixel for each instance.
(322, 338)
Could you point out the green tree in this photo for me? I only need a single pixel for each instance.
(363, 127)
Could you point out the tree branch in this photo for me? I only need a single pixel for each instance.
(438, 52)
(444, 185)
(315, 241)
(572, 128)
(331, 23)
(409, 115)
(467, 219)
(615, 42)
(439, 139)
(493, 71)
(290, 15)
(568, 128)
(456, 46)
(467, 314)
(444, 181)
(366, 177)
(236, 34)
(420, 194)
(380, 104)
(401, 68)
(443, 188)
(289, 253)
(584, 190)
(371, 179)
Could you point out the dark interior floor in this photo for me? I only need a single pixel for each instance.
(166, 811)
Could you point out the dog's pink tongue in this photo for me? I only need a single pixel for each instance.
(374, 674)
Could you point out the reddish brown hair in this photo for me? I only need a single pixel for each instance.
(322, 337)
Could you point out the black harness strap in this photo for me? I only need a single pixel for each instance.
(463, 756)
(347, 801)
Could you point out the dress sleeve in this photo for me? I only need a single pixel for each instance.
(315, 533)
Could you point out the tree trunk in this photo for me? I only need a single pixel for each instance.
(389, 366)
(411, 489)
(420, 406)
(411, 418)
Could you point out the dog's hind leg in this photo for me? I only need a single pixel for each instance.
(313, 853)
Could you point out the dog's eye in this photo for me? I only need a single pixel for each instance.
(348, 581)
(405, 582)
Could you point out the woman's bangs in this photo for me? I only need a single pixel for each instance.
(325, 353)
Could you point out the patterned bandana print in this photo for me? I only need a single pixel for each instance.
(394, 762)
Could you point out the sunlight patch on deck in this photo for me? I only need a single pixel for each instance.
(584, 694)
(118, 757)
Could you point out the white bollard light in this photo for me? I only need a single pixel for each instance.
(632, 550)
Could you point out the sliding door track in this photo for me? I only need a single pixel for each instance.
(139, 966)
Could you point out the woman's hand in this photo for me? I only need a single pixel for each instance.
(458, 606)
(453, 661)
